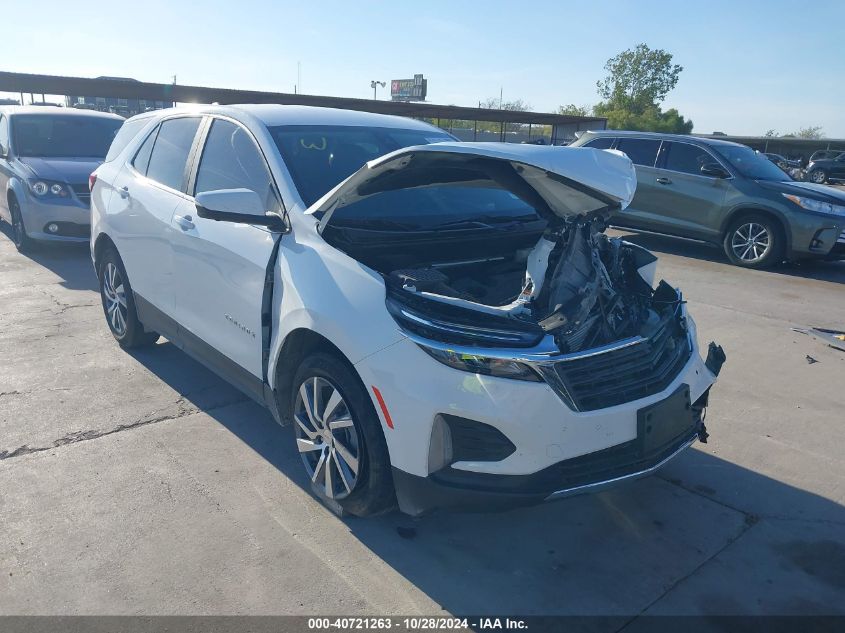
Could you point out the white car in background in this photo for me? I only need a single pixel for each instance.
(444, 324)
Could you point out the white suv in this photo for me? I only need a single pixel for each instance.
(444, 323)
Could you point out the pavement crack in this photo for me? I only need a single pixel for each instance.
(750, 521)
(183, 409)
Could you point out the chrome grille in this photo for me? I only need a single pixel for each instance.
(82, 192)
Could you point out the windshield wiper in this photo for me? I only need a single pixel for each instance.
(484, 222)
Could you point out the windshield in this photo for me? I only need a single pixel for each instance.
(319, 156)
(751, 164)
(63, 136)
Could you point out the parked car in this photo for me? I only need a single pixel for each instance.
(821, 170)
(824, 154)
(46, 155)
(786, 164)
(443, 323)
(727, 194)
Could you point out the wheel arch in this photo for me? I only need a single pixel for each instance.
(297, 345)
(765, 211)
(101, 245)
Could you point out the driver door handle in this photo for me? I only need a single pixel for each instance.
(124, 192)
(185, 222)
(664, 181)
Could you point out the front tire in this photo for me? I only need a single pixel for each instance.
(119, 304)
(339, 437)
(754, 240)
(818, 176)
(21, 240)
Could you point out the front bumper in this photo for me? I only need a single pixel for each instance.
(71, 216)
(815, 235)
(557, 451)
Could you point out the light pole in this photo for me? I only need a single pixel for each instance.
(374, 85)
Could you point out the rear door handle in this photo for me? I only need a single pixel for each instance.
(185, 222)
(124, 192)
(664, 181)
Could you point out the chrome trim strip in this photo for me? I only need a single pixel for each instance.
(601, 485)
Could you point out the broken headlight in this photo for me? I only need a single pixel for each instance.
(477, 364)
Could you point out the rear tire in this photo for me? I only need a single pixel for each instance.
(22, 241)
(340, 440)
(119, 303)
(754, 240)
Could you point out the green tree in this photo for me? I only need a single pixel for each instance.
(638, 81)
(652, 119)
(813, 132)
(494, 103)
(638, 78)
(771, 134)
(575, 110)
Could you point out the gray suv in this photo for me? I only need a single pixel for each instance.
(46, 156)
(726, 194)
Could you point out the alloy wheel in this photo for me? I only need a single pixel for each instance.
(751, 242)
(115, 296)
(818, 177)
(326, 437)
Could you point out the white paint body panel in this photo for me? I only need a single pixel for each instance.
(199, 276)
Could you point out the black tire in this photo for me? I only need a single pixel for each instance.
(114, 283)
(765, 250)
(818, 176)
(372, 490)
(21, 240)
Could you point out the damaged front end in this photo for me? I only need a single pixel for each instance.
(550, 298)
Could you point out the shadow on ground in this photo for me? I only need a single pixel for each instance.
(71, 262)
(820, 270)
(617, 553)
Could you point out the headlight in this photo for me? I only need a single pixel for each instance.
(816, 205)
(42, 188)
(476, 364)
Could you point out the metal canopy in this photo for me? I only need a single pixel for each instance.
(130, 89)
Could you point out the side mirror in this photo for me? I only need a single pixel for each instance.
(714, 170)
(241, 206)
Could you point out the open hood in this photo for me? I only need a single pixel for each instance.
(572, 181)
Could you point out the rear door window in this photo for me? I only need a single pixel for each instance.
(125, 134)
(641, 151)
(601, 142)
(142, 158)
(171, 150)
(685, 158)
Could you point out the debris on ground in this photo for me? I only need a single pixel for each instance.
(811, 360)
(833, 338)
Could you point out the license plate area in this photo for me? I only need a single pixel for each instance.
(665, 423)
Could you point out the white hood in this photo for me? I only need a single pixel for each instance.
(572, 180)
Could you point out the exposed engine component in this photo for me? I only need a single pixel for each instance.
(576, 284)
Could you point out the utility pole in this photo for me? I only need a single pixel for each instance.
(374, 85)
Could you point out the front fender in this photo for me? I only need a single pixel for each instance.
(321, 289)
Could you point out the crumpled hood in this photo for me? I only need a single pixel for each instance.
(66, 170)
(809, 189)
(572, 180)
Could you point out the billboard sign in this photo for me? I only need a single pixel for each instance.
(409, 89)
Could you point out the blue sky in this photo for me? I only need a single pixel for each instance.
(749, 66)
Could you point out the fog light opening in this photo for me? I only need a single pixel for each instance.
(440, 453)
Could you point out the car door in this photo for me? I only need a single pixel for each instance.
(687, 202)
(837, 170)
(642, 212)
(148, 191)
(220, 267)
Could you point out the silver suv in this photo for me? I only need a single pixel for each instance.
(46, 157)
